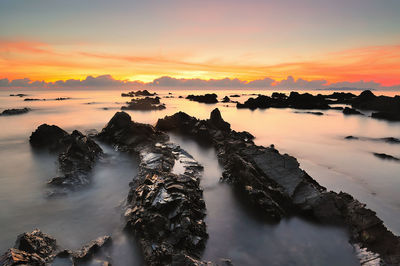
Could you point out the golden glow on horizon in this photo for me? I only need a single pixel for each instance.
(41, 61)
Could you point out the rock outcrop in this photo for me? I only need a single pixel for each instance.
(165, 207)
(144, 104)
(206, 98)
(351, 111)
(16, 111)
(78, 154)
(39, 249)
(138, 93)
(278, 187)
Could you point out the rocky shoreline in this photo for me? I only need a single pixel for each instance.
(276, 185)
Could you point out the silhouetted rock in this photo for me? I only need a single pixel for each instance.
(391, 140)
(144, 104)
(295, 100)
(386, 116)
(207, 98)
(138, 93)
(278, 95)
(311, 113)
(351, 111)
(62, 98)
(341, 97)
(33, 99)
(235, 96)
(226, 99)
(15, 111)
(49, 137)
(386, 156)
(19, 95)
(351, 137)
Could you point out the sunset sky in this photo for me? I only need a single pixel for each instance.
(331, 41)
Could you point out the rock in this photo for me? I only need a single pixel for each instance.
(218, 122)
(390, 140)
(165, 210)
(207, 98)
(76, 159)
(19, 95)
(37, 248)
(351, 137)
(15, 111)
(38, 243)
(351, 111)
(341, 97)
(276, 185)
(311, 113)
(295, 100)
(62, 98)
(387, 108)
(226, 99)
(33, 99)
(15, 257)
(138, 93)
(144, 104)
(48, 136)
(386, 116)
(386, 156)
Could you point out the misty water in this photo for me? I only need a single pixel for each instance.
(235, 230)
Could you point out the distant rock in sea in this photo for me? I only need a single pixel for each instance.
(16, 111)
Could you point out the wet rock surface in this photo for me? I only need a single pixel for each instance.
(78, 154)
(38, 248)
(165, 208)
(138, 93)
(278, 187)
(15, 111)
(206, 98)
(144, 104)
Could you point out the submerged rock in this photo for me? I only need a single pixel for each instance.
(19, 95)
(144, 104)
(311, 113)
(16, 111)
(206, 98)
(386, 156)
(226, 99)
(276, 185)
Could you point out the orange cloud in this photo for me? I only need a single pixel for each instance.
(41, 61)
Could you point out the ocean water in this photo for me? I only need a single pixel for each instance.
(235, 230)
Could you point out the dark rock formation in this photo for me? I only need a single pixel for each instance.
(351, 111)
(385, 156)
(144, 104)
(77, 157)
(341, 97)
(207, 98)
(165, 208)
(235, 96)
(138, 93)
(15, 111)
(62, 98)
(279, 100)
(391, 140)
(226, 99)
(311, 113)
(33, 99)
(276, 185)
(39, 249)
(387, 107)
(19, 95)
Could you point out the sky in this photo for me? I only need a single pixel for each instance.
(216, 43)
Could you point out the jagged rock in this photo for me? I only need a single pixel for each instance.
(38, 243)
(138, 93)
(218, 122)
(76, 159)
(165, 210)
(144, 104)
(226, 99)
(351, 111)
(15, 257)
(89, 250)
(278, 187)
(15, 111)
(206, 98)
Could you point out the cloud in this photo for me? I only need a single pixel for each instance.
(291, 83)
(107, 81)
